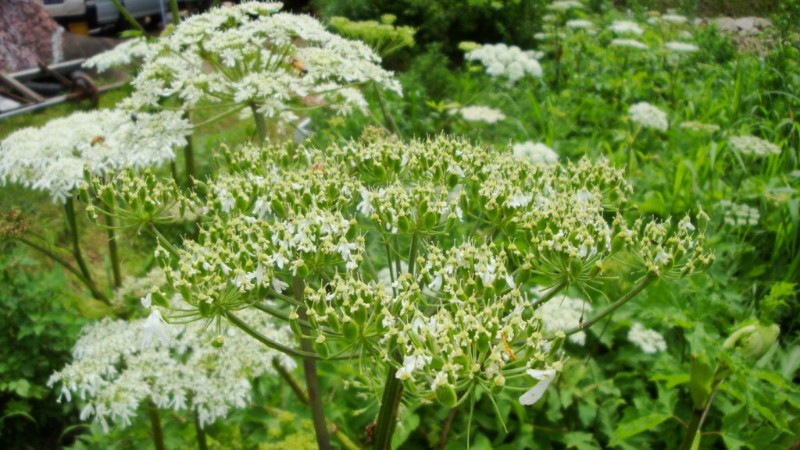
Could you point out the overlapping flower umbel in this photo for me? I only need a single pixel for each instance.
(112, 373)
(251, 55)
(463, 232)
(53, 157)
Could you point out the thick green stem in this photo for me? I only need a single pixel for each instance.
(387, 416)
(127, 16)
(387, 116)
(188, 159)
(155, 424)
(69, 209)
(269, 342)
(290, 380)
(173, 8)
(113, 251)
(310, 372)
(261, 124)
(201, 434)
(692, 429)
(649, 278)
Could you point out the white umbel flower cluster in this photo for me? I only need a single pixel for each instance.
(502, 60)
(648, 116)
(563, 313)
(753, 146)
(53, 157)
(626, 27)
(251, 55)
(478, 113)
(123, 54)
(112, 374)
(535, 152)
(739, 214)
(629, 43)
(650, 341)
(681, 47)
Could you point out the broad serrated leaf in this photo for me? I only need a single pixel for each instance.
(672, 380)
(636, 426)
(580, 440)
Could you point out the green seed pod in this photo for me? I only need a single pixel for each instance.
(431, 219)
(218, 341)
(205, 309)
(278, 208)
(303, 271)
(403, 224)
(350, 332)
(446, 395)
(321, 348)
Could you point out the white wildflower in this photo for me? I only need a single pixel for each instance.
(479, 113)
(535, 152)
(739, 214)
(123, 54)
(648, 116)
(650, 341)
(626, 27)
(533, 395)
(754, 146)
(630, 43)
(700, 127)
(563, 313)
(579, 24)
(502, 60)
(681, 47)
(674, 18)
(565, 5)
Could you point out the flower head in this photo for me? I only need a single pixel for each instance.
(502, 60)
(648, 116)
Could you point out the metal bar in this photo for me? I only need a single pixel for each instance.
(21, 88)
(34, 72)
(53, 101)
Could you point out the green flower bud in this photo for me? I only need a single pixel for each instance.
(446, 395)
(218, 341)
(753, 341)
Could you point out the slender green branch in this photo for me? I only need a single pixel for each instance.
(173, 8)
(69, 209)
(269, 342)
(285, 317)
(155, 424)
(296, 388)
(163, 240)
(693, 430)
(550, 294)
(47, 252)
(643, 283)
(310, 372)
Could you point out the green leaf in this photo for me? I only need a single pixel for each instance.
(672, 380)
(580, 440)
(636, 426)
(407, 424)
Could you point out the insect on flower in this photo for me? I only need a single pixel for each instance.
(508, 347)
(97, 140)
(297, 64)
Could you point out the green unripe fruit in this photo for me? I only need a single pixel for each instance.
(218, 341)
(446, 395)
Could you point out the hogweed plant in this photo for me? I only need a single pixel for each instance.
(253, 59)
(56, 157)
(463, 234)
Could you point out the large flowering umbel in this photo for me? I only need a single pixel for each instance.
(112, 374)
(54, 157)
(252, 55)
(463, 233)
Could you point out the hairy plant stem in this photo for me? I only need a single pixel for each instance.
(387, 416)
(549, 294)
(699, 417)
(155, 425)
(173, 8)
(113, 251)
(261, 124)
(310, 372)
(267, 341)
(188, 160)
(643, 283)
(201, 434)
(69, 209)
(127, 16)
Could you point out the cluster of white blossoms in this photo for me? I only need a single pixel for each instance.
(535, 152)
(563, 313)
(738, 214)
(502, 60)
(442, 310)
(700, 127)
(579, 24)
(479, 113)
(565, 5)
(112, 374)
(123, 54)
(629, 43)
(650, 341)
(681, 47)
(753, 146)
(648, 116)
(251, 55)
(626, 27)
(53, 157)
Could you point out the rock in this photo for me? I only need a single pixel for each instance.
(27, 35)
(725, 24)
(746, 23)
(762, 23)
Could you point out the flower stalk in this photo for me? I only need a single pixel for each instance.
(77, 253)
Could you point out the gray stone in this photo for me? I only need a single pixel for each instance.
(745, 23)
(762, 23)
(725, 24)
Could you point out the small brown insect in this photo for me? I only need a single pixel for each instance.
(318, 167)
(297, 64)
(369, 433)
(97, 140)
(508, 347)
